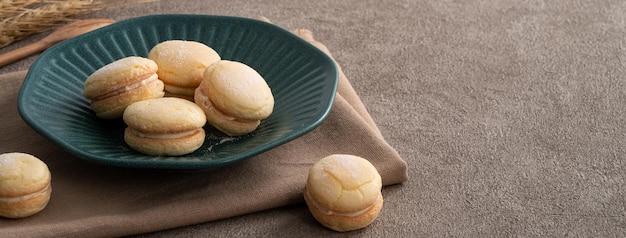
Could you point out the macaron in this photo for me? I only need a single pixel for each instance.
(181, 65)
(120, 83)
(25, 185)
(235, 97)
(343, 192)
(164, 126)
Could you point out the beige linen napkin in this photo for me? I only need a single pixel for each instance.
(92, 199)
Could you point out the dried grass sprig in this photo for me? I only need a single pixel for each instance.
(9, 7)
(22, 18)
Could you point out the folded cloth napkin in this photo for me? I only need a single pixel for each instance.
(89, 198)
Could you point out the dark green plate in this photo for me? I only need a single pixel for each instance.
(303, 80)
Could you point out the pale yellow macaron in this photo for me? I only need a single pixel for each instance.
(343, 192)
(235, 97)
(182, 64)
(164, 126)
(25, 185)
(122, 82)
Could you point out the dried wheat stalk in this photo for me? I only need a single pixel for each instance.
(8, 7)
(22, 18)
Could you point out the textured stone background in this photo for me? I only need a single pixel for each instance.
(509, 113)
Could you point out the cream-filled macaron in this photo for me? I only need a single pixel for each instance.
(164, 126)
(235, 97)
(343, 192)
(25, 185)
(181, 65)
(120, 83)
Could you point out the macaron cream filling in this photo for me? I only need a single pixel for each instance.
(186, 91)
(329, 212)
(25, 197)
(151, 79)
(164, 135)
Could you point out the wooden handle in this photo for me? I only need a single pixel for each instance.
(20, 53)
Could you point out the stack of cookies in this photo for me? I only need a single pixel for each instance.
(185, 85)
